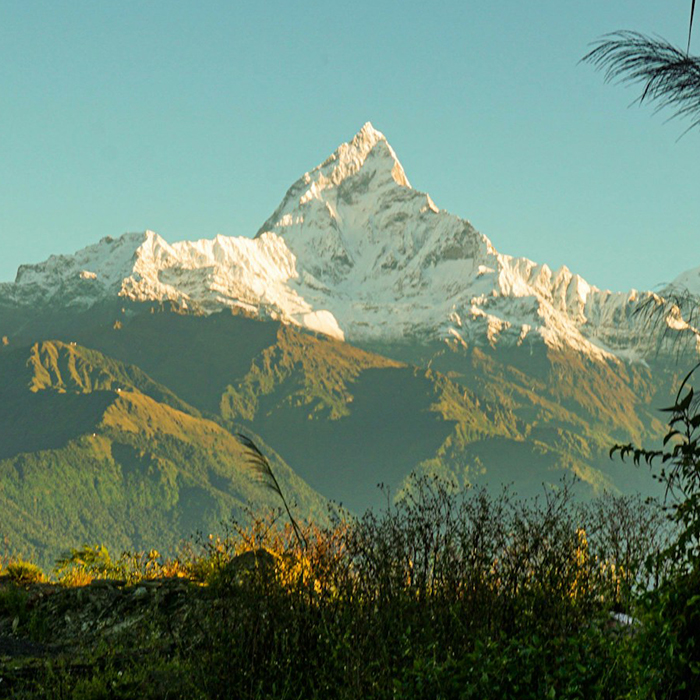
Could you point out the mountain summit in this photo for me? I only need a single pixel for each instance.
(354, 252)
(369, 152)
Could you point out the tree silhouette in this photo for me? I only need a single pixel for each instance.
(670, 77)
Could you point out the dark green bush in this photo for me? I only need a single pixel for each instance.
(670, 639)
(447, 594)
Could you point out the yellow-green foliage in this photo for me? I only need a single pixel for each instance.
(449, 594)
(24, 572)
(310, 372)
(117, 458)
(81, 566)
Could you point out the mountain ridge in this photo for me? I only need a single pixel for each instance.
(326, 406)
(92, 449)
(364, 333)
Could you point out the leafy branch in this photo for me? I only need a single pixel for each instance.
(680, 470)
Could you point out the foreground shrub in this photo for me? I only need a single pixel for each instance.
(81, 566)
(671, 637)
(24, 572)
(446, 594)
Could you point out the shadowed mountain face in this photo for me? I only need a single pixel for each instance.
(346, 419)
(389, 429)
(130, 443)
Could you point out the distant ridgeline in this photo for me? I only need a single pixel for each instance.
(361, 335)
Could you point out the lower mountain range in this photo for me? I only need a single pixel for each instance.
(120, 429)
(362, 335)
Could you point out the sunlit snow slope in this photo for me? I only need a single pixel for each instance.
(354, 252)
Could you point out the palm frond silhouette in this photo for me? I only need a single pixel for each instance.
(669, 76)
(690, 28)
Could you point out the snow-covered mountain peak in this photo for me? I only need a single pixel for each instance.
(353, 251)
(109, 260)
(369, 150)
(366, 162)
(349, 157)
(369, 133)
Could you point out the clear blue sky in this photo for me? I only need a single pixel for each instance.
(193, 118)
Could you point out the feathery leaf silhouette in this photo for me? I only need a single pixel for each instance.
(670, 77)
(260, 465)
(690, 28)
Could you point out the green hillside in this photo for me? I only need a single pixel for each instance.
(343, 418)
(92, 450)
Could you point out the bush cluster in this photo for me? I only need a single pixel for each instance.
(445, 594)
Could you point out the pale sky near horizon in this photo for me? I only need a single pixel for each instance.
(193, 119)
